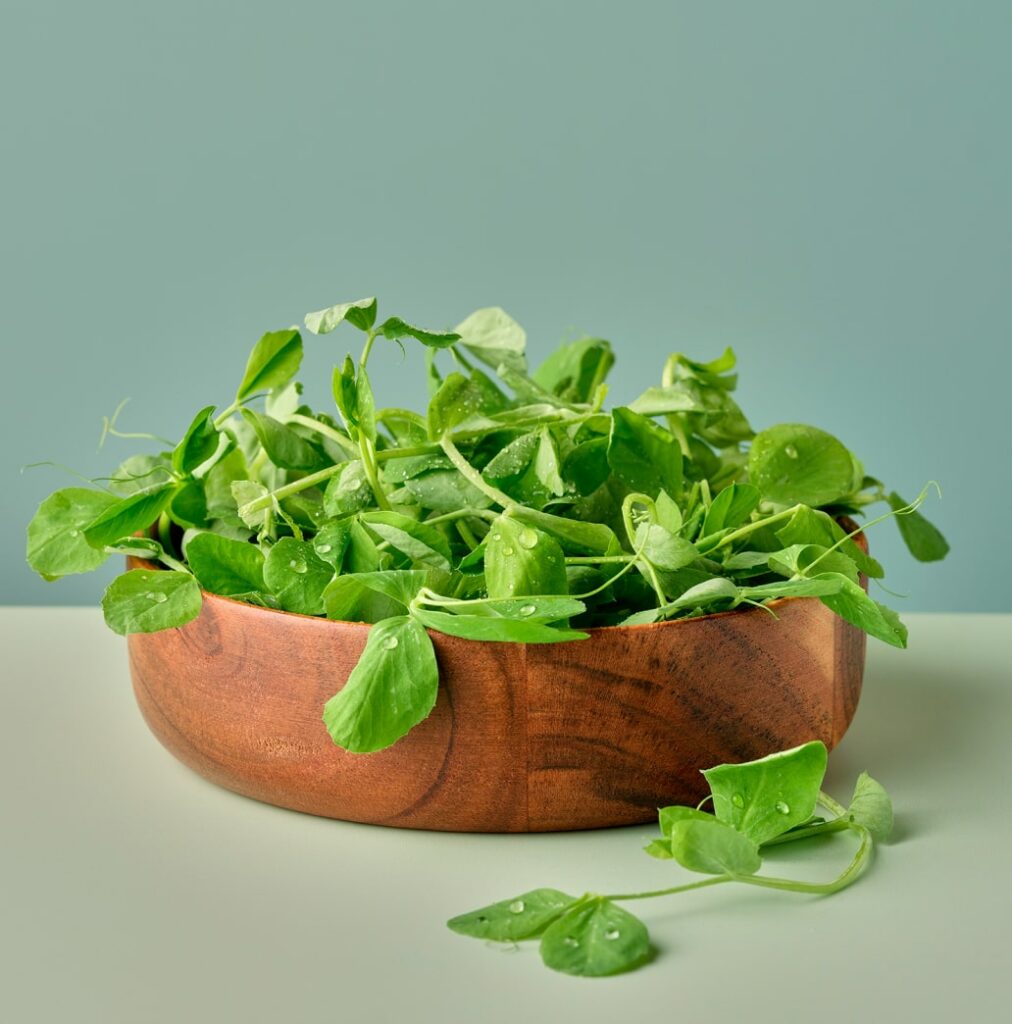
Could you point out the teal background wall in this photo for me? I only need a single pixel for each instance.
(823, 186)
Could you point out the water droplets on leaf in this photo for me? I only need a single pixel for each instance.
(517, 907)
(157, 596)
(323, 548)
(75, 533)
(296, 566)
(390, 643)
(612, 934)
(508, 551)
(790, 451)
(528, 538)
(738, 800)
(782, 808)
(528, 609)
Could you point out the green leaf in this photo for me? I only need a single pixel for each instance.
(540, 609)
(360, 314)
(808, 526)
(522, 560)
(141, 473)
(284, 447)
(56, 542)
(524, 917)
(225, 566)
(423, 545)
(188, 506)
(296, 575)
(199, 443)
(146, 601)
(331, 541)
(923, 540)
(481, 627)
(643, 455)
(245, 492)
(712, 591)
(457, 398)
(573, 536)
(668, 817)
(851, 602)
(763, 799)
(796, 464)
(347, 491)
(391, 689)
(574, 371)
(368, 597)
(274, 361)
(128, 516)
(731, 508)
(819, 585)
(796, 560)
(395, 328)
(664, 549)
(595, 938)
(495, 338)
(713, 848)
(872, 808)
(586, 465)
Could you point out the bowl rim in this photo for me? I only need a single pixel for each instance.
(135, 562)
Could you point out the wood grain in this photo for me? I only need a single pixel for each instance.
(533, 738)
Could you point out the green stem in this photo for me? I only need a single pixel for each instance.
(465, 531)
(849, 875)
(462, 513)
(369, 466)
(302, 484)
(370, 337)
(830, 804)
(407, 453)
(222, 418)
(744, 531)
(469, 473)
(596, 559)
(716, 880)
(165, 533)
(321, 428)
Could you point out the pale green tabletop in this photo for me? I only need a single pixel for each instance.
(136, 892)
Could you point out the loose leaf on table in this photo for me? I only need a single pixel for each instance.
(56, 543)
(523, 917)
(226, 566)
(713, 847)
(643, 455)
(199, 443)
(274, 361)
(763, 799)
(595, 938)
(494, 337)
(668, 817)
(297, 576)
(360, 314)
(792, 463)
(127, 516)
(871, 807)
(391, 689)
(924, 541)
(146, 601)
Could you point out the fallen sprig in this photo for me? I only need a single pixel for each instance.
(756, 805)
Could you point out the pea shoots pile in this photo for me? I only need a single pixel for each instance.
(515, 508)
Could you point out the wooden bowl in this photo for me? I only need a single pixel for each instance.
(523, 738)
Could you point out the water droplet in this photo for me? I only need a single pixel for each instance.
(390, 643)
(297, 566)
(508, 551)
(790, 451)
(517, 907)
(528, 609)
(323, 548)
(571, 942)
(782, 808)
(612, 934)
(496, 536)
(75, 533)
(738, 800)
(157, 596)
(528, 538)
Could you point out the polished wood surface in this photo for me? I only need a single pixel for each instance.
(535, 738)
